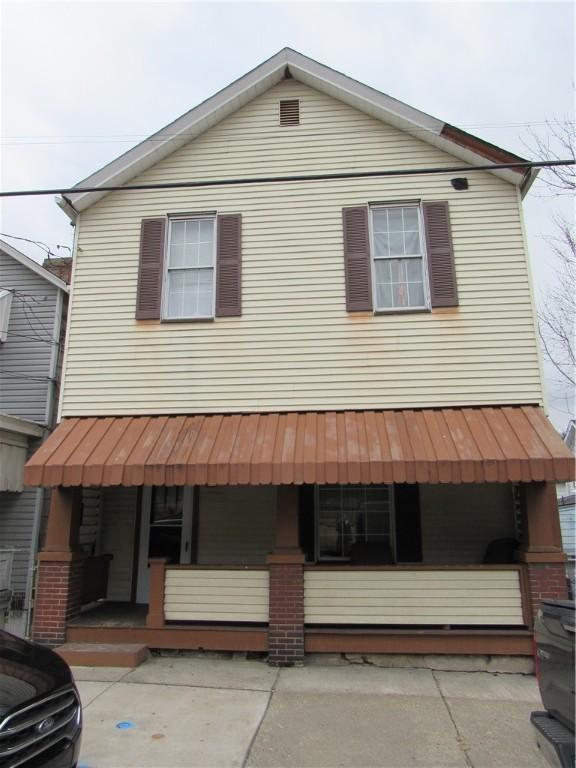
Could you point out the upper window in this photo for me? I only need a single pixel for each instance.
(398, 257)
(190, 268)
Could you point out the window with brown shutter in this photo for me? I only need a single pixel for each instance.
(441, 270)
(398, 256)
(190, 268)
(151, 269)
(229, 266)
(357, 270)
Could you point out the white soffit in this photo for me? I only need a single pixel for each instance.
(248, 87)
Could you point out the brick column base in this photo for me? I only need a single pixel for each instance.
(57, 600)
(546, 580)
(286, 620)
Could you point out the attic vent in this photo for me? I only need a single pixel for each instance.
(289, 112)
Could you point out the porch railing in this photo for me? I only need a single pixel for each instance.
(232, 594)
(445, 595)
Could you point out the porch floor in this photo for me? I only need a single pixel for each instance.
(111, 614)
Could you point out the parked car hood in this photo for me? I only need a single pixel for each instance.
(28, 671)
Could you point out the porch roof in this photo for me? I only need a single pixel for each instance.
(447, 445)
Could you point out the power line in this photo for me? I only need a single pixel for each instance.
(10, 334)
(12, 375)
(37, 243)
(283, 179)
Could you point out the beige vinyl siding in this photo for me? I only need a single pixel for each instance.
(295, 346)
(117, 538)
(489, 597)
(236, 525)
(216, 595)
(459, 521)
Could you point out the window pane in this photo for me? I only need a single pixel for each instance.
(166, 505)
(395, 222)
(177, 229)
(381, 244)
(330, 498)
(412, 243)
(399, 283)
(192, 231)
(380, 220)
(206, 231)
(414, 270)
(410, 219)
(190, 293)
(349, 514)
(416, 294)
(396, 244)
(191, 243)
(205, 254)
(177, 258)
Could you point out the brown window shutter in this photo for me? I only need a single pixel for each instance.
(151, 269)
(357, 259)
(443, 288)
(229, 266)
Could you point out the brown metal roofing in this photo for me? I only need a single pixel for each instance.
(448, 445)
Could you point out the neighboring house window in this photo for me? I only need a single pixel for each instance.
(189, 286)
(5, 306)
(398, 258)
(351, 514)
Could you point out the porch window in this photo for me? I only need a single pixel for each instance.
(398, 263)
(351, 514)
(189, 291)
(166, 516)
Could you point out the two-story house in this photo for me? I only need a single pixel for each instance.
(302, 371)
(33, 305)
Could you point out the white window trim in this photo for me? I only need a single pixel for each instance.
(392, 510)
(6, 296)
(188, 318)
(426, 307)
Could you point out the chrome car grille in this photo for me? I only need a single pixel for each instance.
(27, 733)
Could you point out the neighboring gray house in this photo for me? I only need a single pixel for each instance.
(33, 307)
(567, 509)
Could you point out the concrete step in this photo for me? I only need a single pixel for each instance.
(103, 654)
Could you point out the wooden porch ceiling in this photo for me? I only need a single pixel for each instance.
(448, 445)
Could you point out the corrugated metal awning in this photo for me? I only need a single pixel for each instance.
(448, 445)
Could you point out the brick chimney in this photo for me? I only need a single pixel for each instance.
(60, 267)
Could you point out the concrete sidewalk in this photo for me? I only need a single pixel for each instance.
(201, 712)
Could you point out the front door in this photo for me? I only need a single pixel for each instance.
(165, 531)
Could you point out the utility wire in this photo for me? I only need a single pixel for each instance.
(283, 179)
(10, 334)
(38, 243)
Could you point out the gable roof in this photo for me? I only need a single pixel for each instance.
(288, 62)
(26, 261)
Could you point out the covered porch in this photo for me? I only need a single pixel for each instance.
(391, 532)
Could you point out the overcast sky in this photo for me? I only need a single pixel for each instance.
(82, 82)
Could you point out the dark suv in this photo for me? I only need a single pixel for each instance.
(40, 711)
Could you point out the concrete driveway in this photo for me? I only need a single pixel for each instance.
(200, 712)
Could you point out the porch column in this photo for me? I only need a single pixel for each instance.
(59, 577)
(286, 600)
(541, 545)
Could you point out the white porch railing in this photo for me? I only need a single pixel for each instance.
(459, 595)
(227, 594)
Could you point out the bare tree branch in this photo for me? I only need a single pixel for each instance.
(557, 317)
